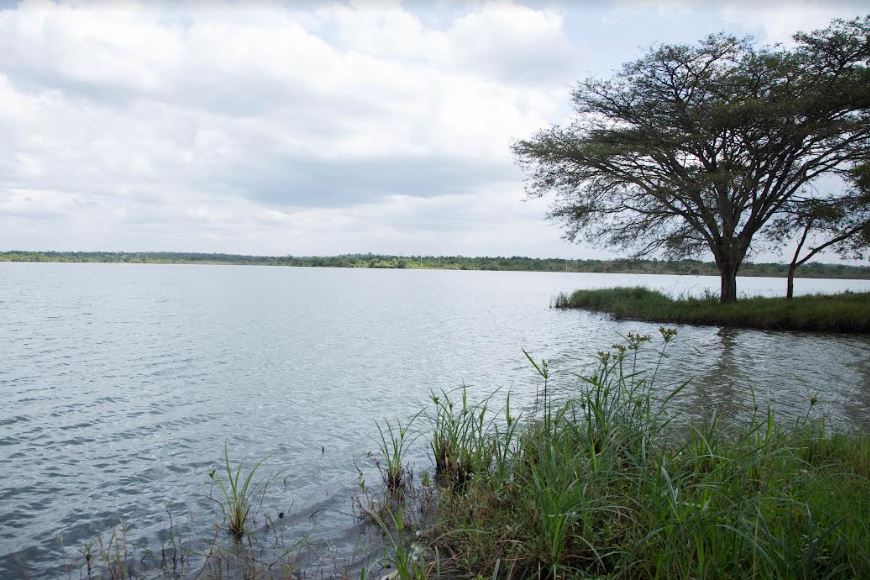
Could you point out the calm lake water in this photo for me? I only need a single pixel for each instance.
(120, 384)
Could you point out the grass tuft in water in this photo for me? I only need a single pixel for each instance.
(460, 440)
(239, 494)
(393, 443)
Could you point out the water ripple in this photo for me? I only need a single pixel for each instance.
(121, 384)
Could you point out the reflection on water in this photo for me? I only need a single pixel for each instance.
(121, 383)
(715, 390)
(856, 400)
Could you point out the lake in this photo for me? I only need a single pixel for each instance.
(121, 384)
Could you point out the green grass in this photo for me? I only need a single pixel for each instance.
(239, 494)
(393, 446)
(609, 484)
(847, 312)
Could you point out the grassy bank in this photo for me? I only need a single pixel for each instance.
(490, 263)
(848, 312)
(609, 484)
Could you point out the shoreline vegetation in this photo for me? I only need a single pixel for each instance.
(605, 480)
(611, 482)
(488, 263)
(848, 312)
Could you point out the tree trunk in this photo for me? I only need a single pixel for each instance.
(729, 256)
(728, 291)
(798, 261)
(795, 261)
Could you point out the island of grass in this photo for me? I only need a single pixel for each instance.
(846, 312)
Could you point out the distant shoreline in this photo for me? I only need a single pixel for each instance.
(485, 263)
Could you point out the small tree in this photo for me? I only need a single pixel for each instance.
(840, 224)
(696, 148)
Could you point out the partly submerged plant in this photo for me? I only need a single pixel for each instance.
(406, 558)
(239, 492)
(461, 439)
(393, 445)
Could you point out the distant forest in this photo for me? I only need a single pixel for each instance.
(513, 263)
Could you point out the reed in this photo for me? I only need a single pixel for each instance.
(239, 494)
(404, 557)
(460, 438)
(393, 443)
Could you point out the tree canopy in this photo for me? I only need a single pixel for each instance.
(697, 148)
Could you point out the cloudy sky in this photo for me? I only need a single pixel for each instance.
(310, 128)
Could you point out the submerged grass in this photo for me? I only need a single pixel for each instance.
(846, 312)
(393, 447)
(607, 483)
(460, 443)
(239, 494)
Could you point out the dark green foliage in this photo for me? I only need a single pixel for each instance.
(847, 312)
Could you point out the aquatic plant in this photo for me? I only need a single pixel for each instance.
(404, 557)
(393, 443)
(460, 437)
(605, 480)
(239, 494)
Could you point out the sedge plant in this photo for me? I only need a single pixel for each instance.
(239, 494)
(393, 442)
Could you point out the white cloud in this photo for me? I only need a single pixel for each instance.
(304, 128)
(141, 117)
(776, 21)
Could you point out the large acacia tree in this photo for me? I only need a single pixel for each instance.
(696, 148)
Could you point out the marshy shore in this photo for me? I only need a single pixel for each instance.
(607, 479)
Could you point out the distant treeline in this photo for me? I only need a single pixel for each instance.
(513, 263)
